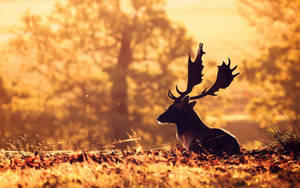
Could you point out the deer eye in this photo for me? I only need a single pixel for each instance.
(172, 108)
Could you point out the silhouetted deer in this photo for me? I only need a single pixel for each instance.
(191, 131)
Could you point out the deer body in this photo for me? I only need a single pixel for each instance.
(194, 134)
(191, 131)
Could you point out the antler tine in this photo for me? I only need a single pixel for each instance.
(194, 74)
(188, 87)
(224, 79)
(180, 92)
(170, 94)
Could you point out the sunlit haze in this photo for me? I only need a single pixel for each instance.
(217, 23)
(149, 93)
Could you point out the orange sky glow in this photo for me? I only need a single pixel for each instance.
(217, 23)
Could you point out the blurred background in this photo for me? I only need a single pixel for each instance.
(84, 74)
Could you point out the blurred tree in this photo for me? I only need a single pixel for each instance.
(101, 64)
(20, 115)
(277, 70)
(4, 99)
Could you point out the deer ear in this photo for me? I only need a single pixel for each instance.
(186, 100)
(192, 104)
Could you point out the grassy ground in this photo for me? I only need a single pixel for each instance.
(149, 168)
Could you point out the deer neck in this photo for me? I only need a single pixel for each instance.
(189, 127)
(191, 124)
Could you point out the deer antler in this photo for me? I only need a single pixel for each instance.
(194, 74)
(224, 77)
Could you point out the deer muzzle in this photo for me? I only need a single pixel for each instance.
(163, 118)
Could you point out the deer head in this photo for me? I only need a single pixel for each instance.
(177, 111)
(181, 105)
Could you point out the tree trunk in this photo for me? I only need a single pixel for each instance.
(4, 99)
(119, 88)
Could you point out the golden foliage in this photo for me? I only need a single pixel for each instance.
(277, 70)
(151, 168)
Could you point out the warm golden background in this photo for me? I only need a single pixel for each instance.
(82, 74)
